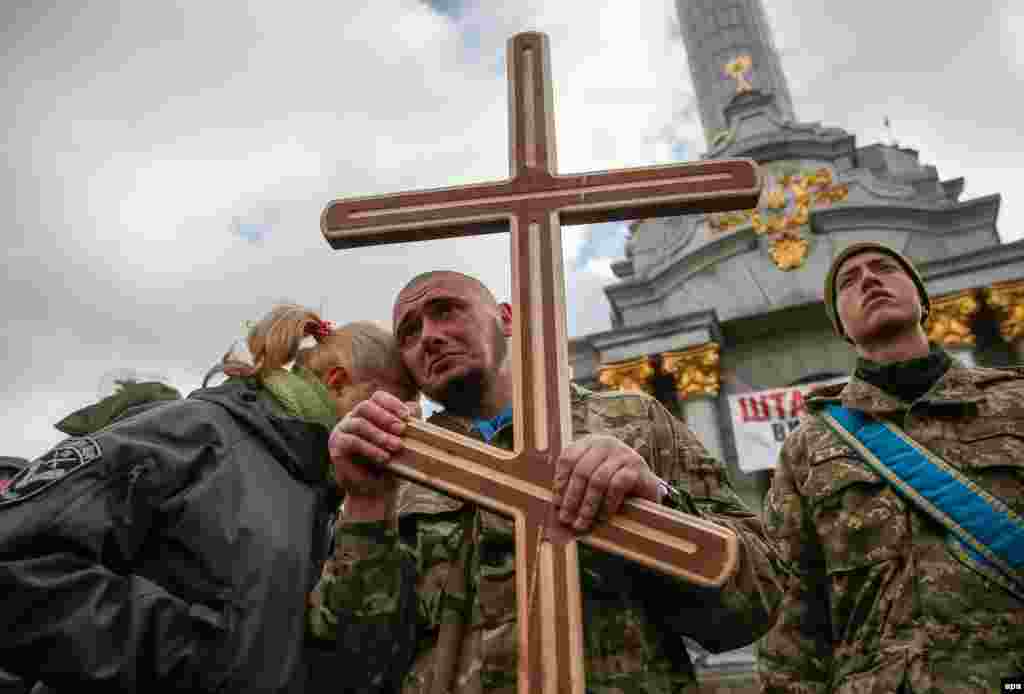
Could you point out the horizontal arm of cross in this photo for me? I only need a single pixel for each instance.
(580, 199)
(668, 541)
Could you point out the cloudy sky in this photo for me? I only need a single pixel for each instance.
(167, 163)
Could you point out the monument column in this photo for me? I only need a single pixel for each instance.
(696, 372)
(949, 324)
(1007, 299)
(730, 51)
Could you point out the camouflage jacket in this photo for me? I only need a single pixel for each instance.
(875, 602)
(633, 618)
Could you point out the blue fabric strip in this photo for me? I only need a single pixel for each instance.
(988, 530)
(489, 427)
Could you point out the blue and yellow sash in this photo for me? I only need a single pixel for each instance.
(984, 533)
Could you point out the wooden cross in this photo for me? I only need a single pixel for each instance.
(533, 203)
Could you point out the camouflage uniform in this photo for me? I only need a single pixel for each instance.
(633, 617)
(875, 602)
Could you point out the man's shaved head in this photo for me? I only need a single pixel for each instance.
(453, 335)
(479, 287)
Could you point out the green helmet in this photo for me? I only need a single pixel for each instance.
(864, 247)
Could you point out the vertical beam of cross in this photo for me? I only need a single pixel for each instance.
(532, 204)
(555, 631)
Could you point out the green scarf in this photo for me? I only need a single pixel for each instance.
(301, 394)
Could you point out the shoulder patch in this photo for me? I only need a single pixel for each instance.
(68, 456)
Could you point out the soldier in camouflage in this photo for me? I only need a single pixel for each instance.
(875, 600)
(413, 566)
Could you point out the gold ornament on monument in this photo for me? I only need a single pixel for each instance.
(775, 199)
(789, 250)
(1007, 298)
(695, 370)
(633, 375)
(949, 323)
(784, 211)
(739, 69)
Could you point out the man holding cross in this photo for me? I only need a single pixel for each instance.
(399, 542)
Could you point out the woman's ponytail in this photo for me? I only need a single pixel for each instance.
(277, 338)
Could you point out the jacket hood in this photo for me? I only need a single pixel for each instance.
(959, 384)
(12, 462)
(130, 398)
(298, 445)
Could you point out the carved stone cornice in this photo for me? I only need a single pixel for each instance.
(633, 375)
(949, 323)
(695, 370)
(1007, 298)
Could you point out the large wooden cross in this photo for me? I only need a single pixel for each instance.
(533, 203)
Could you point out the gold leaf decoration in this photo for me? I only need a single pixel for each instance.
(789, 250)
(633, 375)
(695, 370)
(739, 69)
(1007, 298)
(949, 322)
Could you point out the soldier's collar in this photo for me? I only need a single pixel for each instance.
(957, 387)
(907, 380)
(488, 428)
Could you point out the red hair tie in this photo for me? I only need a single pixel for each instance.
(319, 329)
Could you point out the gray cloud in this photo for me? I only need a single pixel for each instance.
(450, 8)
(601, 241)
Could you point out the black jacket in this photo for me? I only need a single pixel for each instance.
(172, 550)
(9, 467)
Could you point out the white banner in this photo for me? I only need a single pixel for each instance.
(761, 420)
